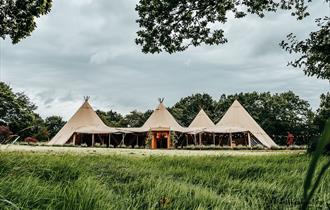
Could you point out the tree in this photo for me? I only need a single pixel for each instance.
(315, 51)
(17, 111)
(174, 25)
(136, 118)
(187, 108)
(53, 124)
(17, 17)
(323, 112)
(111, 118)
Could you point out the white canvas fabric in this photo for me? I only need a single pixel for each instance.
(199, 123)
(237, 117)
(161, 119)
(85, 120)
(201, 120)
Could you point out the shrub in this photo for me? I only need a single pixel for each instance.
(226, 147)
(68, 145)
(258, 147)
(240, 147)
(83, 145)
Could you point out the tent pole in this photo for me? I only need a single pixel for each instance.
(93, 140)
(123, 139)
(74, 139)
(109, 139)
(200, 138)
(137, 140)
(153, 141)
(249, 139)
(231, 140)
(186, 140)
(213, 139)
(195, 141)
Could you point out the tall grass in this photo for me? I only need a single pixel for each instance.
(311, 183)
(41, 181)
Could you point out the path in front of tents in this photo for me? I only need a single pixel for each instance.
(142, 152)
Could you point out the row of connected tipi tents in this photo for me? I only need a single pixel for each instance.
(161, 130)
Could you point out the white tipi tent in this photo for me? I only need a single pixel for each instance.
(200, 123)
(201, 120)
(237, 117)
(161, 119)
(85, 120)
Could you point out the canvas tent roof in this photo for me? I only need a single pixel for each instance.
(161, 119)
(85, 120)
(237, 117)
(201, 120)
(200, 123)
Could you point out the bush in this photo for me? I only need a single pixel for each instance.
(68, 145)
(241, 147)
(278, 148)
(297, 147)
(258, 147)
(226, 147)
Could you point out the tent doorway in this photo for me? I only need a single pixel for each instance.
(161, 140)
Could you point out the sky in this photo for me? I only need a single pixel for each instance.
(86, 48)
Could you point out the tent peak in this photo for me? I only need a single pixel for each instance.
(161, 100)
(86, 98)
(236, 103)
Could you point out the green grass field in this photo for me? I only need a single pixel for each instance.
(48, 181)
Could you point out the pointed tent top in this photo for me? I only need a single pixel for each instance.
(237, 103)
(85, 120)
(237, 116)
(161, 100)
(161, 118)
(201, 120)
(86, 98)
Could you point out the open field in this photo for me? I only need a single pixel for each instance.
(72, 181)
(143, 152)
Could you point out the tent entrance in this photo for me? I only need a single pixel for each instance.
(161, 140)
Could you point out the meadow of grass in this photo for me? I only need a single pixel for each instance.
(64, 181)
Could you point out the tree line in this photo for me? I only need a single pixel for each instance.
(277, 114)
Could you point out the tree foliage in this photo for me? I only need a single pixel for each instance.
(187, 108)
(18, 113)
(132, 119)
(53, 124)
(323, 112)
(17, 17)
(136, 118)
(174, 25)
(314, 51)
(111, 118)
(16, 110)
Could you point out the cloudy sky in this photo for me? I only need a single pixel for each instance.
(86, 47)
